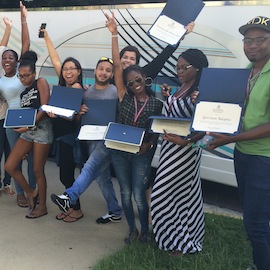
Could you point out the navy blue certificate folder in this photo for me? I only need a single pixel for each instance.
(23, 117)
(101, 112)
(64, 101)
(179, 11)
(124, 137)
(66, 98)
(220, 89)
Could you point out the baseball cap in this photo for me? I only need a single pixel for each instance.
(260, 22)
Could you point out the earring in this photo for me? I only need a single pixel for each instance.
(148, 81)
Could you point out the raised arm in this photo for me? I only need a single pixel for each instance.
(154, 67)
(5, 38)
(55, 59)
(118, 70)
(25, 39)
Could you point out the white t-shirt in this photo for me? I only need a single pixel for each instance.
(10, 89)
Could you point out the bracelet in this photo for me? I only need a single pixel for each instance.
(114, 36)
(189, 142)
(24, 22)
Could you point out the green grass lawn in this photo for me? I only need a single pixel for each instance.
(225, 248)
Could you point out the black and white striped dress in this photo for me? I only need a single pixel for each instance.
(176, 199)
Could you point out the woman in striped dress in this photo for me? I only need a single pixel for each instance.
(176, 199)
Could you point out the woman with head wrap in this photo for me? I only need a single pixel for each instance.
(176, 199)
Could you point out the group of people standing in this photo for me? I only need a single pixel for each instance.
(176, 197)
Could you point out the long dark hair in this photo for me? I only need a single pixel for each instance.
(140, 70)
(62, 81)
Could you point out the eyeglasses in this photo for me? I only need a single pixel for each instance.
(258, 41)
(69, 69)
(182, 69)
(25, 76)
(106, 59)
(132, 82)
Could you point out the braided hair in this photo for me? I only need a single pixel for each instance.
(198, 60)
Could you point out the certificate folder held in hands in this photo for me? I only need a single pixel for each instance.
(174, 125)
(170, 25)
(219, 105)
(23, 117)
(123, 137)
(64, 101)
(94, 122)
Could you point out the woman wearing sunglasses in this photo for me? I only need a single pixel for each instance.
(130, 55)
(176, 199)
(136, 104)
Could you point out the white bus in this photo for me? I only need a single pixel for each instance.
(78, 29)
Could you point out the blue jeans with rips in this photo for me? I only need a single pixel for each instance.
(133, 173)
(12, 137)
(97, 167)
(253, 177)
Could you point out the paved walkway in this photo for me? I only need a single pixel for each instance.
(47, 243)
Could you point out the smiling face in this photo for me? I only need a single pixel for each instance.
(257, 45)
(136, 82)
(70, 73)
(128, 59)
(9, 63)
(103, 73)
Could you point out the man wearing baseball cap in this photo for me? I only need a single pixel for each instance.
(252, 150)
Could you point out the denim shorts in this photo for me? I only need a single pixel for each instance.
(42, 134)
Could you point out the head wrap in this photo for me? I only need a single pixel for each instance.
(195, 57)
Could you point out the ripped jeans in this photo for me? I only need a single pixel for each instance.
(133, 173)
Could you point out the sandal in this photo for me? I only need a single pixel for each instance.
(21, 201)
(61, 216)
(71, 219)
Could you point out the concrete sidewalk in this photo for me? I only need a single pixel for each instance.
(46, 243)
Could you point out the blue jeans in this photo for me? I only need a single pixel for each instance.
(12, 137)
(4, 148)
(253, 177)
(96, 167)
(133, 173)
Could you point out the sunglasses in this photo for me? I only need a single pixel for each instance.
(106, 59)
(132, 82)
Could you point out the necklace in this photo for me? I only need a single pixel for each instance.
(138, 113)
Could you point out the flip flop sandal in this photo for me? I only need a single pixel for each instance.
(33, 216)
(22, 202)
(61, 216)
(70, 219)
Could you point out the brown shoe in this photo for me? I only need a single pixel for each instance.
(9, 191)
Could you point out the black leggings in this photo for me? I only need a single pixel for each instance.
(67, 167)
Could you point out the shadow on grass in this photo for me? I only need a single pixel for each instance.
(225, 247)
